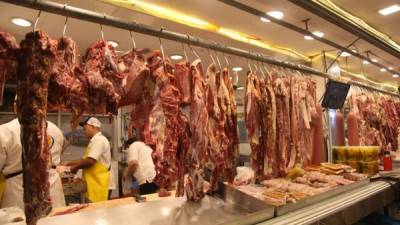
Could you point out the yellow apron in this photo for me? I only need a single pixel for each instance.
(2, 185)
(97, 179)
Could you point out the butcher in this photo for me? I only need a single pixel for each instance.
(140, 166)
(96, 163)
(11, 164)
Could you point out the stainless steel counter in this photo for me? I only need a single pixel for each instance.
(346, 208)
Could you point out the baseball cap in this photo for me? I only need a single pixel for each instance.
(91, 121)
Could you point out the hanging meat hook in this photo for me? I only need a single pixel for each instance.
(132, 39)
(37, 20)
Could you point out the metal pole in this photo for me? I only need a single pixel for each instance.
(99, 18)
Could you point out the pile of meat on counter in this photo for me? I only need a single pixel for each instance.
(373, 120)
(185, 112)
(310, 181)
(283, 121)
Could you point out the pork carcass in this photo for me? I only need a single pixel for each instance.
(36, 60)
(8, 60)
(199, 136)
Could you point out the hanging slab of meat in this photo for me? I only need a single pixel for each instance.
(253, 123)
(225, 87)
(38, 54)
(164, 121)
(8, 60)
(183, 80)
(282, 95)
(310, 109)
(132, 66)
(339, 128)
(318, 136)
(103, 78)
(217, 145)
(67, 92)
(268, 128)
(199, 137)
(183, 146)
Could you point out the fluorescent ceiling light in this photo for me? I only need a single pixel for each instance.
(366, 62)
(114, 44)
(176, 57)
(21, 22)
(374, 60)
(389, 10)
(265, 20)
(237, 69)
(318, 33)
(353, 50)
(240, 88)
(345, 54)
(390, 68)
(307, 37)
(383, 70)
(395, 75)
(276, 14)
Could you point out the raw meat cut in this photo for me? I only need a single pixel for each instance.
(162, 132)
(252, 112)
(67, 92)
(199, 138)
(135, 72)
(339, 128)
(8, 60)
(36, 60)
(352, 129)
(103, 78)
(183, 81)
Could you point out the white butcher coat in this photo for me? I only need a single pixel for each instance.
(11, 162)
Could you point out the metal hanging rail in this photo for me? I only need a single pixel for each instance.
(258, 13)
(99, 18)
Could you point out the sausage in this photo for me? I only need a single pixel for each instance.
(318, 136)
(339, 128)
(352, 129)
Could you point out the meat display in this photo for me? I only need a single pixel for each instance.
(183, 80)
(282, 118)
(36, 60)
(318, 136)
(339, 129)
(8, 60)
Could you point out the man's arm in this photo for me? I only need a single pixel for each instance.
(81, 164)
(132, 167)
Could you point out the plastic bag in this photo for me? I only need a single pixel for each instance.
(245, 175)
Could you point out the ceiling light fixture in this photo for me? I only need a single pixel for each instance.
(21, 22)
(390, 68)
(237, 69)
(345, 54)
(276, 14)
(176, 57)
(240, 88)
(395, 75)
(318, 33)
(114, 44)
(389, 10)
(308, 37)
(374, 60)
(383, 70)
(366, 62)
(265, 20)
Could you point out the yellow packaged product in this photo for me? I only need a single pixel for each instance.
(353, 153)
(340, 153)
(355, 165)
(369, 153)
(370, 168)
